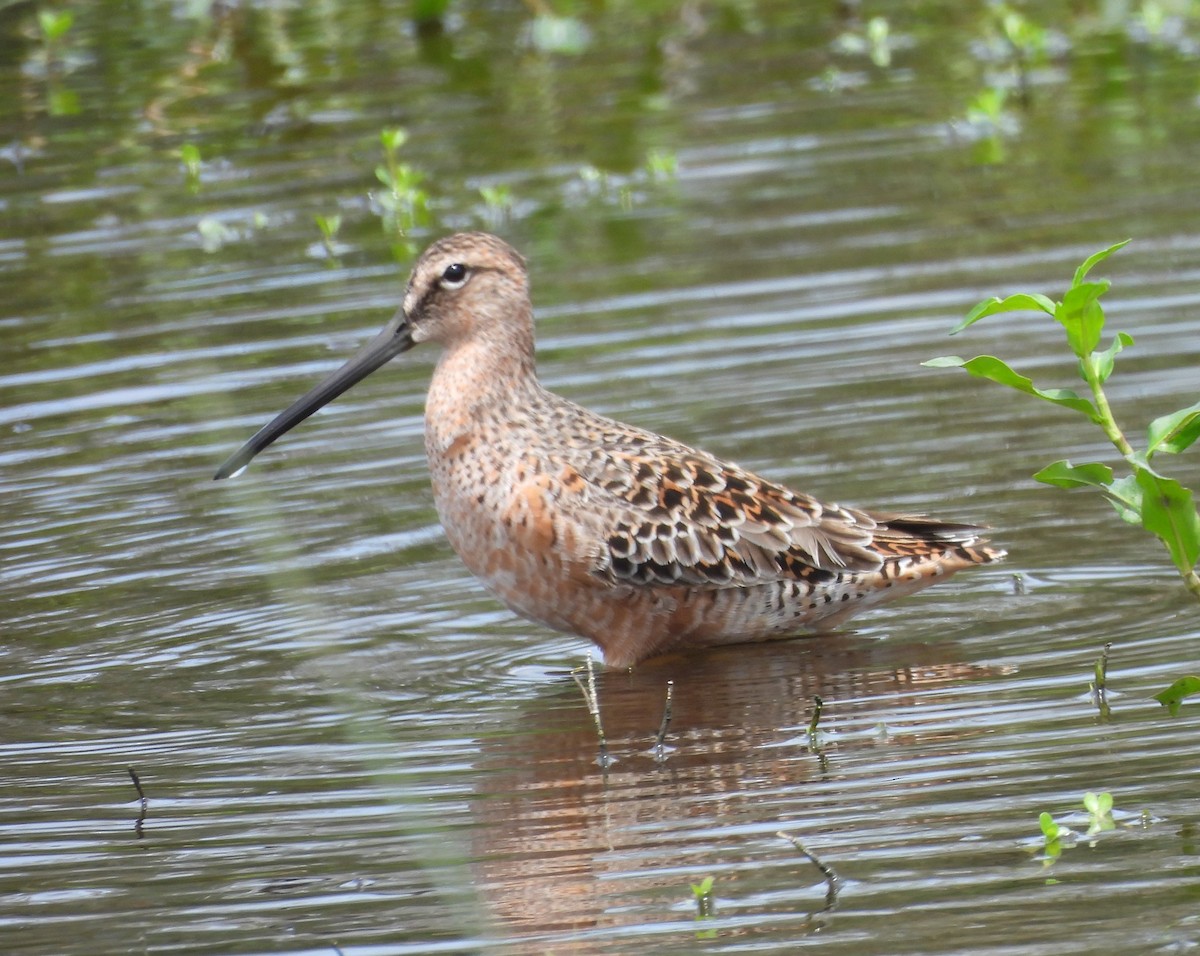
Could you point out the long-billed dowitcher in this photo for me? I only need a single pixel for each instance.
(601, 529)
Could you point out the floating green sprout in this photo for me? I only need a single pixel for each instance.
(329, 226)
(987, 107)
(662, 164)
(499, 200)
(1144, 496)
(1099, 807)
(874, 41)
(189, 155)
(1027, 41)
(54, 25)
(1054, 837)
(54, 59)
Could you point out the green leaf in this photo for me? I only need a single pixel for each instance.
(1173, 696)
(1090, 261)
(1065, 475)
(944, 361)
(1175, 432)
(329, 225)
(1169, 512)
(1080, 314)
(1099, 807)
(1125, 495)
(1049, 827)
(1013, 303)
(995, 370)
(54, 24)
(1106, 359)
(393, 138)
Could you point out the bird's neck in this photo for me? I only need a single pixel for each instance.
(478, 384)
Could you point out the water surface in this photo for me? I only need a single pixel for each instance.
(344, 741)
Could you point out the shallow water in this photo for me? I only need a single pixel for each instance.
(343, 740)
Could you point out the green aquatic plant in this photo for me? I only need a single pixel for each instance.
(53, 26)
(661, 165)
(329, 226)
(1099, 807)
(986, 107)
(1056, 837)
(403, 204)
(1173, 696)
(705, 908)
(659, 168)
(874, 40)
(53, 59)
(1027, 39)
(1144, 496)
(1027, 43)
(499, 201)
(189, 155)
(987, 124)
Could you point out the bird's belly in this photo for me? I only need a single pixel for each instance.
(544, 568)
(543, 576)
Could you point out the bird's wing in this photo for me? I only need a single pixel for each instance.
(668, 514)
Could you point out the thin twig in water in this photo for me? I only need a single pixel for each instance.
(818, 706)
(833, 882)
(660, 752)
(593, 705)
(1099, 687)
(1102, 668)
(816, 743)
(137, 827)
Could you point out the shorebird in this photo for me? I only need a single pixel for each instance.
(597, 528)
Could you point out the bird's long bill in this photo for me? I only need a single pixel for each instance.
(395, 338)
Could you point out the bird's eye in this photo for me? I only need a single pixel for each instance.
(454, 276)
